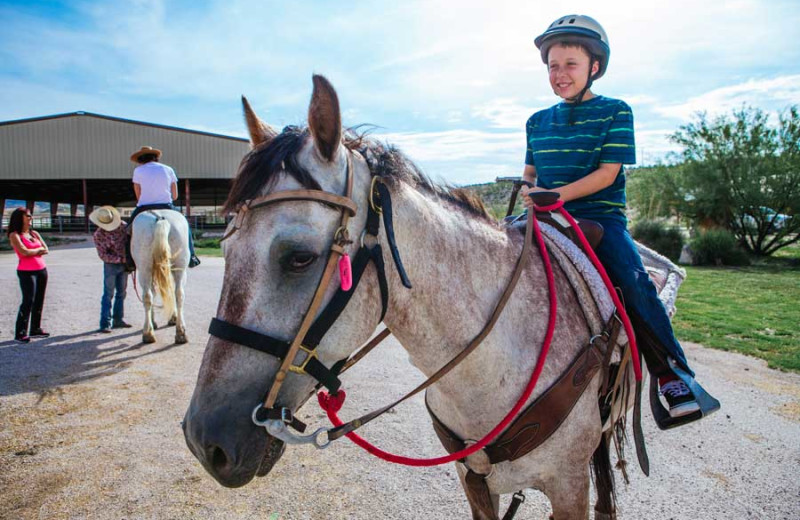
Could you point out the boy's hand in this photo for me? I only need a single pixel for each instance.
(526, 200)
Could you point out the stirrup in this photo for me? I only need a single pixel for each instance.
(707, 403)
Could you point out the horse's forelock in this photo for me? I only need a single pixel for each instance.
(259, 169)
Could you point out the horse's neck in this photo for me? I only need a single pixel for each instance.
(459, 266)
(454, 261)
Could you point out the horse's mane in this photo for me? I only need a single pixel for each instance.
(259, 170)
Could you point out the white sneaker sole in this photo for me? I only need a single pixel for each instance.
(684, 409)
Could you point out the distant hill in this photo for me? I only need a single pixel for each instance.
(495, 196)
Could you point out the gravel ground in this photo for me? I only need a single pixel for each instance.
(90, 428)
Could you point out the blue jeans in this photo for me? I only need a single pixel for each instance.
(115, 282)
(623, 264)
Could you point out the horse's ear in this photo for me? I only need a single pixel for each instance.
(324, 118)
(260, 132)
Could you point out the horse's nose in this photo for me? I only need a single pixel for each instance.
(218, 456)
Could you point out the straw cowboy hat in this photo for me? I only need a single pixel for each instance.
(106, 217)
(146, 150)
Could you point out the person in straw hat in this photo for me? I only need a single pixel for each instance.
(110, 240)
(156, 186)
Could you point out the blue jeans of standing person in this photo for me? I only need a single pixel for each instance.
(622, 262)
(115, 283)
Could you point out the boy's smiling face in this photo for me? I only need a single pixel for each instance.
(569, 71)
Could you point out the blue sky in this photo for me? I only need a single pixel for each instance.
(449, 82)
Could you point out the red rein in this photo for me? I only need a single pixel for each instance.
(333, 403)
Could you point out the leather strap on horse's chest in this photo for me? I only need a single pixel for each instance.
(542, 417)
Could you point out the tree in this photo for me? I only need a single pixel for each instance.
(656, 191)
(743, 174)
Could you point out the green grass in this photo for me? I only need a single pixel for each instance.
(754, 310)
(207, 246)
(208, 251)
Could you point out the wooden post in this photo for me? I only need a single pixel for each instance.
(86, 210)
(30, 205)
(187, 197)
(73, 209)
(53, 215)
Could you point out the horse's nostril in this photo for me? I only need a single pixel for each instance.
(218, 458)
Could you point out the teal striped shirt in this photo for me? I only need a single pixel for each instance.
(602, 132)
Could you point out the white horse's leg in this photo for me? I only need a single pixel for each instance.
(569, 494)
(147, 298)
(180, 324)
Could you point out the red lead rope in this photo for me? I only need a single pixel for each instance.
(333, 403)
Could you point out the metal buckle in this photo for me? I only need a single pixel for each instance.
(301, 368)
(372, 189)
(286, 415)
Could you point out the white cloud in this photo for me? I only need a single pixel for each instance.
(767, 94)
(456, 144)
(503, 113)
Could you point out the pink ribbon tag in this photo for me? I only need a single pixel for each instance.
(345, 273)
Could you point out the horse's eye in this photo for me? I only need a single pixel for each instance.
(300, 260)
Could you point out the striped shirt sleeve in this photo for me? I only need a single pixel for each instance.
(619, 145)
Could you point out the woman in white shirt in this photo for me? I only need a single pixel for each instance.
(156, 186)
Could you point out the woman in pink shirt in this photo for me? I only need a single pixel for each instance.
(32, 273)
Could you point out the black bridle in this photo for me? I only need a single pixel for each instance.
(379, 204)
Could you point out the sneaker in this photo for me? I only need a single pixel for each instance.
(679, 397)
(121, 325)
(22, 339)
(39, 333)
(104, 330)
(194, 261)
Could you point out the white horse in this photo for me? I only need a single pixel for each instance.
(160, 248)
(458, 259)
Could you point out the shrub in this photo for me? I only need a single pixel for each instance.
(207, 242)
(657, 235)
(717, 247)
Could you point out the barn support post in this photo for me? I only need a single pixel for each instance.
(188, 197)
(30, 205)
(86, 209)
(73, 209)
(53, 215)
(2, 207)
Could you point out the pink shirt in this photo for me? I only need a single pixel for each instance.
(30, 263)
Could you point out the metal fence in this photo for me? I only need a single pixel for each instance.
(66, 224)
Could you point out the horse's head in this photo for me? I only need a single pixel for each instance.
(274, 260)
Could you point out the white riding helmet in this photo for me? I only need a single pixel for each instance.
(577, 28)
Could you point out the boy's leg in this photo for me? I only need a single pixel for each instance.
(108, 294)
(687, 400)
(621, 260)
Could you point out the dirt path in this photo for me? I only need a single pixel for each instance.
(90, 428)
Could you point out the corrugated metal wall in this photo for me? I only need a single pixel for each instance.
(90, 147)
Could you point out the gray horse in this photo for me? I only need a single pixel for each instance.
(450, 246)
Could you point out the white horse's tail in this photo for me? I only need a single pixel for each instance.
(162, 266)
